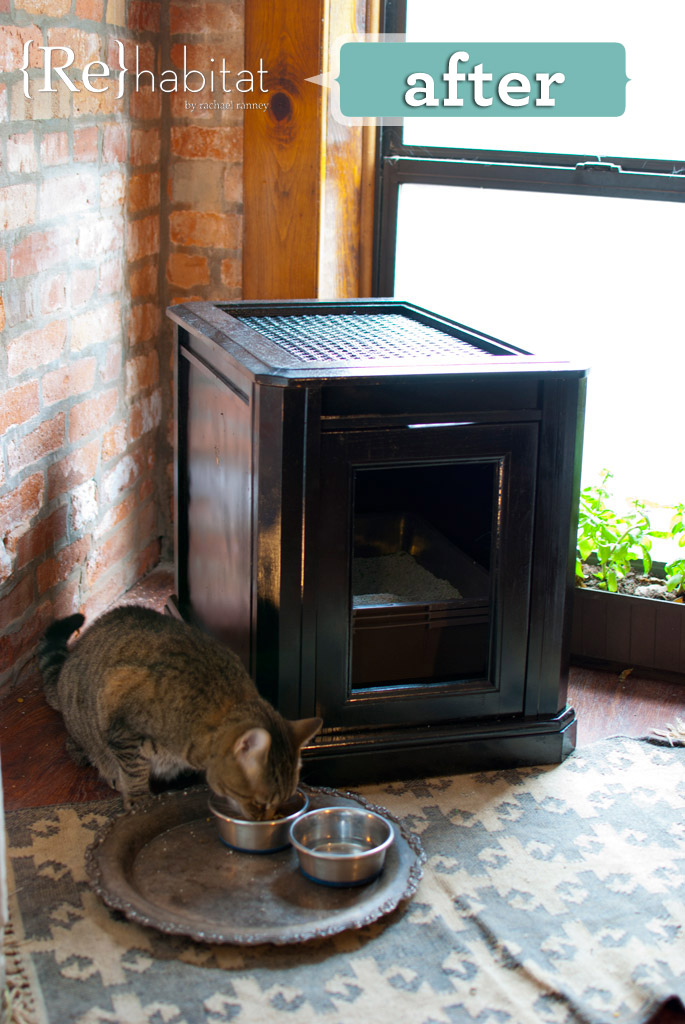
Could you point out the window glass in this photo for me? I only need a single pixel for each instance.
(651, 127)
(566, 276)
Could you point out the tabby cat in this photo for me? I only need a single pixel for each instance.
(145, 694)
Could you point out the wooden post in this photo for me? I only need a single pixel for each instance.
(305, 176)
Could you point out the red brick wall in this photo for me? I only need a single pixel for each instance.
(110, 209)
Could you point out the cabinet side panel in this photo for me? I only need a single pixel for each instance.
(219, 503)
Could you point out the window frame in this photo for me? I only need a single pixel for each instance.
(574, 173)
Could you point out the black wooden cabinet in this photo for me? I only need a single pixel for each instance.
(375, 508)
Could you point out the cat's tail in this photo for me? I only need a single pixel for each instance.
(52, 653)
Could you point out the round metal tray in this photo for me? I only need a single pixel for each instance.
(163, 865)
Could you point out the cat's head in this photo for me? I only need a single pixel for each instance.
(260, 767)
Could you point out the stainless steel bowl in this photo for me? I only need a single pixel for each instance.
(257, 836)
(341, 845)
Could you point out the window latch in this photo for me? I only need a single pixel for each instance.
(598, 165)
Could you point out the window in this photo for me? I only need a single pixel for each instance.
(562, 235)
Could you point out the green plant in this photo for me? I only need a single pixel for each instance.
(615, 539)
(675, 570)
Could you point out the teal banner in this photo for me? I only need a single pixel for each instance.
(399, 79)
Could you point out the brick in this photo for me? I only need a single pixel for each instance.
(91, 10)
(58, 568)
(198, 55)
(114, 442)
(111, 276)
(197, 184)
(202, 106)
(124, 475)
(146, 105)
(116, 12)
(83, 284)
(68, 381)
(19, 405)
(112, 363)
(143, 282)
(143, 16)
(233, 183)
(148, 558)
(145, 146)
(37, 252)
(116, 514)
(142, 373)
(232, 273)
(73, 469)
(85, 144)
(12, 41)
(68, 194)
(54, 294)
(42, 537)
(95, 326)
(143, 191)
(36, 348)
(145, 415)
(16, 602)
(17, 206)
(40, 106)
(146, 489)
(20, 505)
(54, 149)
(2, 313)
(94, 104)
(112, 189)
(84, 45)
(186, 270)
(84, 505)
(140, 57)
(3, 102)
(200, 143)
(98, 235)
(114, 144)
(21, 153)
(53, 8)
(91, 414)
(17, 645)
(112, 587)
(47, 438)
(144, 323)
(143, 238)
(206, 230)
(205, 17)
(111, 551)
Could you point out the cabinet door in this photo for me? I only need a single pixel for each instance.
(423, 572)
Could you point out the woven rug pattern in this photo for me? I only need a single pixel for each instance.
(553, 894)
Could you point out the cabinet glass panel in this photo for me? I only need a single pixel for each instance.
(423, 548)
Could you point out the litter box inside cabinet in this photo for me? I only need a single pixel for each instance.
(420, 607)
(374, 509)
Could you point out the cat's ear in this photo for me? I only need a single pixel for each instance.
(251, 750)
(304, 729)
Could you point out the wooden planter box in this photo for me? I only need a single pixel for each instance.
(621, 631)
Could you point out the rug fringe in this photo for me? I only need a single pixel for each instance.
(673, 734)
(18, 1005)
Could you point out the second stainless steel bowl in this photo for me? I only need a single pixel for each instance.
(341, 845)
(257, 836)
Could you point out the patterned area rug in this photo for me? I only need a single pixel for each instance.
(551, 894)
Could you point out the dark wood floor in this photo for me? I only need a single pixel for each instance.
(37, 771)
